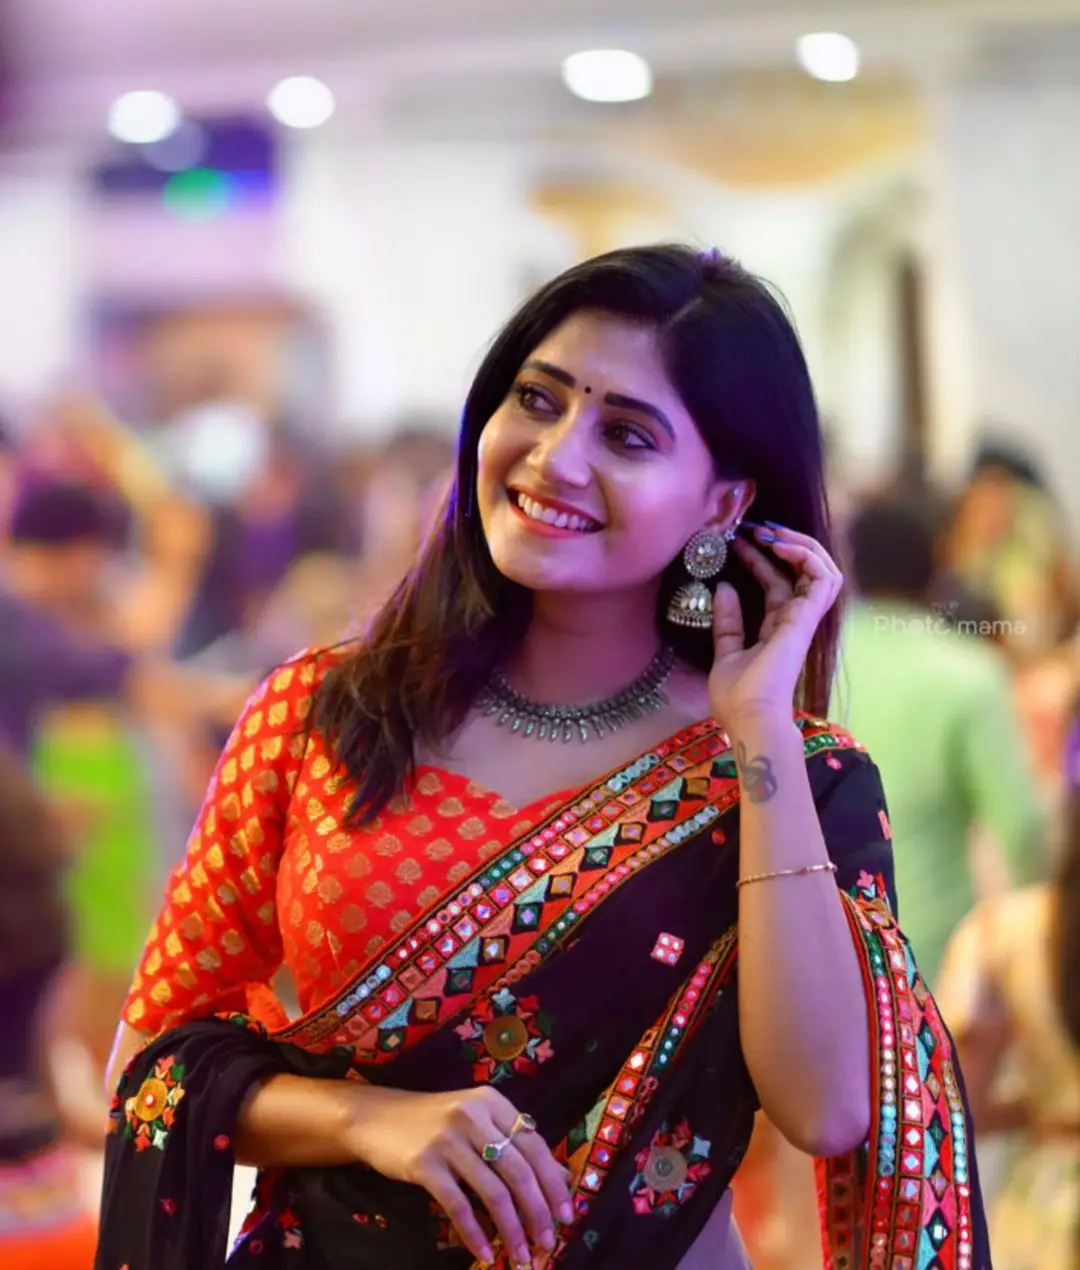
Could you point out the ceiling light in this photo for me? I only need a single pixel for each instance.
(141, 118)
(828, 55)
(301, 102)
(607, 75)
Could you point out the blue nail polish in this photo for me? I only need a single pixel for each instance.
(774, 524)
(763, 537)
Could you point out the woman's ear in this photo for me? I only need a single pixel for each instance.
(731, 500)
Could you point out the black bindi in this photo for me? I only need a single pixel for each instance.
(587, 388)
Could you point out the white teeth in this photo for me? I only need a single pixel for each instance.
(549, 515)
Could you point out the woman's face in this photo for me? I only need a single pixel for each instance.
(592, 475)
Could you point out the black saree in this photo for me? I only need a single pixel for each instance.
(590, 973)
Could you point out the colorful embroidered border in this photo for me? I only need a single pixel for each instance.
(918, 1212)
(592, 1150)
(518, 908)
(515, 903)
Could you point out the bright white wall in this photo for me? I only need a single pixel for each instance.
(41, 272)
(419, 253)
(1009, 163)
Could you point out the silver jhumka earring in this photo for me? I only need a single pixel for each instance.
(703, 557)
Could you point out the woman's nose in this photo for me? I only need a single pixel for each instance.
(560, 455)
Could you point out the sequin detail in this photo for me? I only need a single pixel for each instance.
(506, 1036)
(668, 950)
(149, 1114)
(920, 1213)
(669, 1170)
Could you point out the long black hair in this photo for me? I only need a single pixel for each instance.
(733, 356)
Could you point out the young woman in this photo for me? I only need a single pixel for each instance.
(570, 873)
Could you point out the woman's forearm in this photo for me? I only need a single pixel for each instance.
(297, 1122)
(286, 1121)
(802, 1008)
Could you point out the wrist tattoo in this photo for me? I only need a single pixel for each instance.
(758, 779)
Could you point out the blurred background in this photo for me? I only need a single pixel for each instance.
(250, 255)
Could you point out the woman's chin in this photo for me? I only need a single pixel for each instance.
(534, 577)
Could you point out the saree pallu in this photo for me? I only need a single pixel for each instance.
(589, 972)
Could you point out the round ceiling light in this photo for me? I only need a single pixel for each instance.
(143, 118)
(828, 55)
(607, 75)
(301, 102)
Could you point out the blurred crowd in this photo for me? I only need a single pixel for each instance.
(148, 579)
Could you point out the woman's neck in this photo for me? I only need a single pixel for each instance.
(579, 648)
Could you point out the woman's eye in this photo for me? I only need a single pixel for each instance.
(533, 399)
(629, 437)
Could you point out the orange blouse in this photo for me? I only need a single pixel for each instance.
(273, 878)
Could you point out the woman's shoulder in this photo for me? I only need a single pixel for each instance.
(301, 675)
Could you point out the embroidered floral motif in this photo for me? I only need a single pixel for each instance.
(506, 1037)
(149, 1115)
(870, 887)
(886, 828)
(669, 1170)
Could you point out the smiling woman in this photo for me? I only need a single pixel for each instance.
(593, 430)
(570, 871)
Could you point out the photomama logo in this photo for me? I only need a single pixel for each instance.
(941, 619)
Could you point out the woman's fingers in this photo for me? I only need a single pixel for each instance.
(780, 534)
(550, 1174)
(553, 1177)
(495, 1196)
(524, 1189)
(443, 1187)
(774, 582)
(819, 577)
(818, 580)
(729, 636)
(529, 1196)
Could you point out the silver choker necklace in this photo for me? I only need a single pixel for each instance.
(512, 709)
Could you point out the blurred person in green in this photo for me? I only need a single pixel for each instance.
(90, 758)
(932, 702)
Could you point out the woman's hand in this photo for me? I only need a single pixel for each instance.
(436, 1141)
(762, 679)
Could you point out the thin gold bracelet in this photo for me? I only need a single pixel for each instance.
(828, 867)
